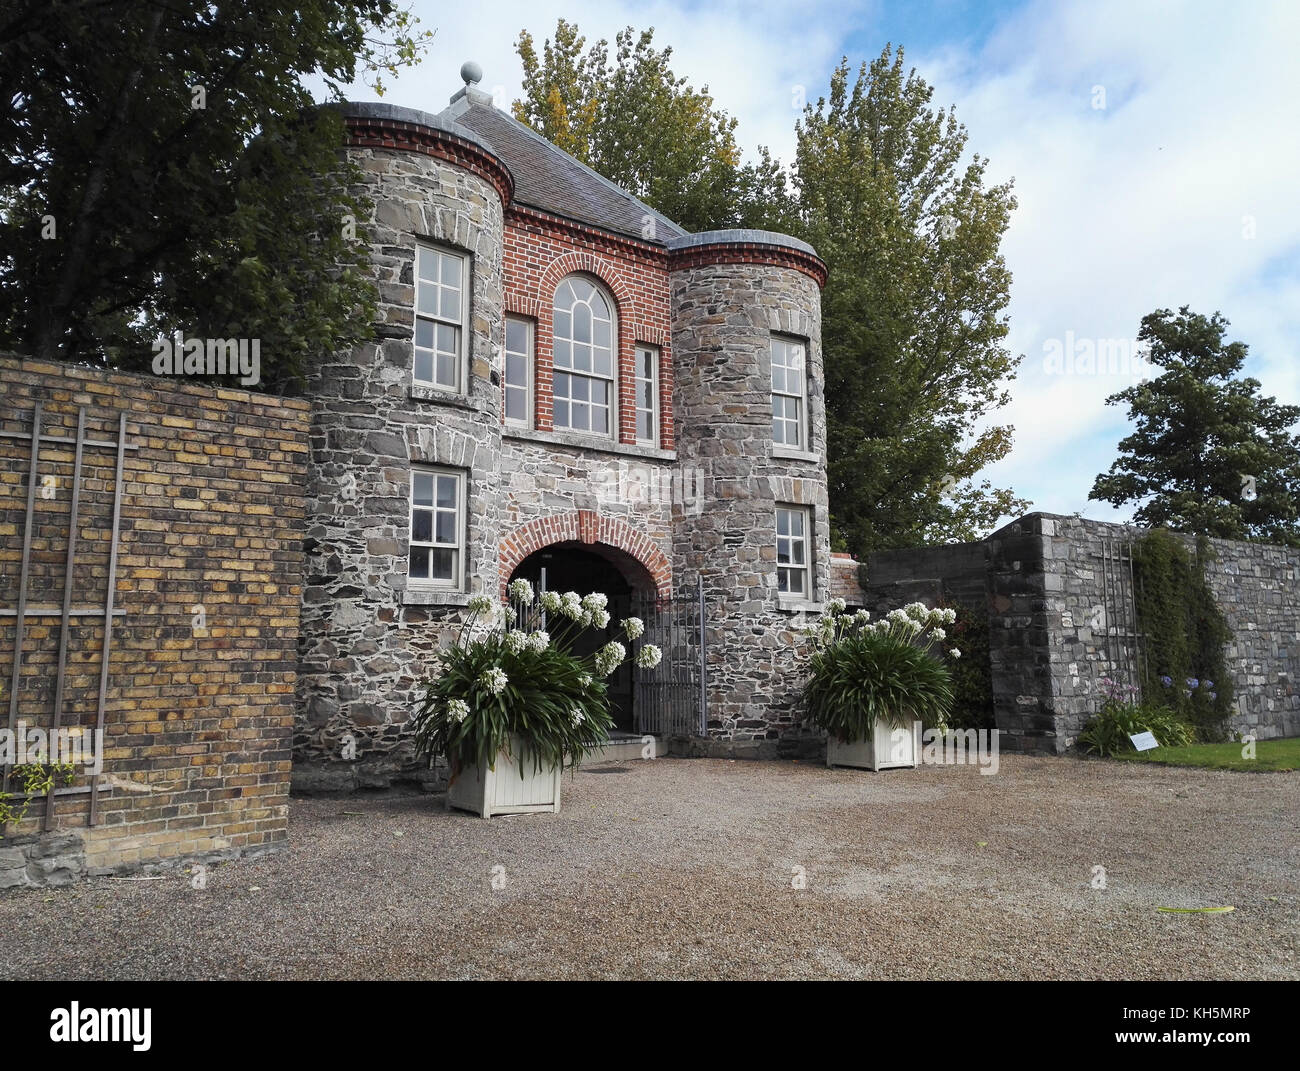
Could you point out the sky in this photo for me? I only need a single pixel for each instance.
(1154, 145)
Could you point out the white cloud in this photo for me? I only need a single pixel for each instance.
(1122, 210)
(1138, 206)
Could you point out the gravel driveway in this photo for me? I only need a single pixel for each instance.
(683, 868)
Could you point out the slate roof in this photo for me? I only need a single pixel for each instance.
(548, 178)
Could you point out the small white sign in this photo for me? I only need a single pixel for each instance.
(1144, 741)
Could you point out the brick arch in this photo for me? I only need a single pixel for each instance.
(588, 527)
(608, 274)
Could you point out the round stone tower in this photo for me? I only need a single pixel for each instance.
(369, 627)
(748, 395)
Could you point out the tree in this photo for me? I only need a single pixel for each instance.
(1208, 455)
(165, 169)
(913, 315)
(642, 127)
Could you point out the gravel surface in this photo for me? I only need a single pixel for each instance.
(684, 869)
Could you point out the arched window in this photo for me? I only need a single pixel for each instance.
(585, 335)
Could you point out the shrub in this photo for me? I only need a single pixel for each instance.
(1108, 732)
(1184, 633)
(972, 679)
(499, 680)
(862, 672)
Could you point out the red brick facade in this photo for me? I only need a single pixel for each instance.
(540, 250)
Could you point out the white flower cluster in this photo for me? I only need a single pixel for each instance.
(836, 606)
(648, 656)
(596, 618)
(538, 641)
(457, 710)
(479, 604)
(516, 640)
(577, 717)
(521, 591)
(571, 606)
(494, 680)
(595, 603)
(550, 602)
(610, 657)
(634, 627)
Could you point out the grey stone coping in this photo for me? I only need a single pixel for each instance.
(420, 393)
(364, 109)
(587, 442)
(417, 596)
(799, 606)
(741, 236)
(786, 454)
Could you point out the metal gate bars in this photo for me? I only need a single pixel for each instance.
(672, 699)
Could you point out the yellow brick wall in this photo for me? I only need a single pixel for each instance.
(198, 721)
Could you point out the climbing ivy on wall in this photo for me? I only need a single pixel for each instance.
(1185, 633)
(972, 680)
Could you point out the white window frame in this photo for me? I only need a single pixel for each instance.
(806, 568)
(457, 323)
(506, 387)
(457, 581)
(640, 350)
(798, 350)
(557, 370)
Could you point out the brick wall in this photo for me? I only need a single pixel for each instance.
(198, 720)
(540, 250)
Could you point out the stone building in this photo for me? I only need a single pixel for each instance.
(565, 386)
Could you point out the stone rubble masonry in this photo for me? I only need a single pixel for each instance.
(1041, 580)
(198, 721)
(660, 512)
(724, 316)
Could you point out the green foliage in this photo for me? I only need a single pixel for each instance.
(33, 780)
(1185, 633)
(913, 315)
(544, 690)
(1108, 732)
(644, 128)
(500, 681)
(862, 672)
(1208, 454)
(972, 678)
(165, 170)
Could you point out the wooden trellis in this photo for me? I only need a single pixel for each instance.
(67, 612)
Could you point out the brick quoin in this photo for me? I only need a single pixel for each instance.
(540, 250)
(588, 527)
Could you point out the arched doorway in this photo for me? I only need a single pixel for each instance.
(579, 567)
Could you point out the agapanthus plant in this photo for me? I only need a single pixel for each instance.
(864, 671)
(512, 672)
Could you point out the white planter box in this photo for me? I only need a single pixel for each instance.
(885, 749)
(488, 791)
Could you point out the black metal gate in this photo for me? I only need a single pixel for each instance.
(1114, 619)
(671, 699)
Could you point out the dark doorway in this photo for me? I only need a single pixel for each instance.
(572, 567)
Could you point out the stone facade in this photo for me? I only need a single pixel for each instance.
(198, 714)
(1054, 631)
(700, 498)
(724, 319)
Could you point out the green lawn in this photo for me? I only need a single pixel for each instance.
(1269, 755)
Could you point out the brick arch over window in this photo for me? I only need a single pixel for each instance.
(587, 527)
(608, 274)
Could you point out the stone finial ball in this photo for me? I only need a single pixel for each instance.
(471, 72)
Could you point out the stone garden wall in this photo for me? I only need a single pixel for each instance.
(1056, 626)
(198, 716)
